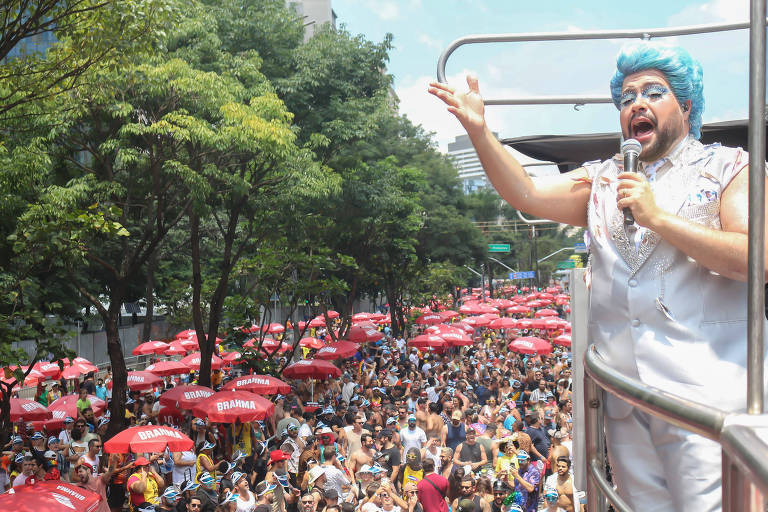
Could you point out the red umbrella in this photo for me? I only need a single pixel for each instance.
(176, 349)
(28, 410)
(185, 397)
(318, 321)
(47, 369)
(428, 341)
(270, 345)
(273, 328)
(563, 340)
(232, 357)
(332, 314)
(165, 368)
(503, 323)
(525, 323)
(360, 334)
(311, 343)
(429, 319)
(260, 384)
(186, 334)
(229, 406)
(149, 439)
(150, 347)
(530, 345)
(77, 369)
(545, 312)
(539, 323)
(193, 361)
(477, 321)
(143, 380)
(49, 496)
(361, 317)
(67, 406)
(169, 416)
(519, 309)
(189, 344)
(338, 350)
(448, 314)
(311, 369)
(457, 338)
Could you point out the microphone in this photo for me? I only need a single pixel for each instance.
(630, 149)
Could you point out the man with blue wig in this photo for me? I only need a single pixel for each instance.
(667, 293)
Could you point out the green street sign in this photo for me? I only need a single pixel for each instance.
(499, 247)
(566, 264)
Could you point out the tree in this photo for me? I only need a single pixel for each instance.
(47, 46)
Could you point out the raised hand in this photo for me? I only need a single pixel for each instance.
(468, 107)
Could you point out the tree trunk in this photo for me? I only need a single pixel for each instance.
(146, 332)
(117, 421)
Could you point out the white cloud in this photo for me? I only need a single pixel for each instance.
(387, 11)
(716, 11)
(430, 42)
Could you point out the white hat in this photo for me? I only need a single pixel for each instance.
(316, 473)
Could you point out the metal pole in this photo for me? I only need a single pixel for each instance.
(556, 252)
(595, 442)
(502, 264)
(756, 236)
(482, 281)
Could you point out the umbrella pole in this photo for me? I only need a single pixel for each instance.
(312, 388)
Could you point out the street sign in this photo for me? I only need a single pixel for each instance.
(522, 275)
(499, 247)
(580, 248)
(566, 264)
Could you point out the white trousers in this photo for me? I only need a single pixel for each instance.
(658, 467)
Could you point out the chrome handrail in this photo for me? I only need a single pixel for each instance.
(687, 414)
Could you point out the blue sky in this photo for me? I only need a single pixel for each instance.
(423, 28)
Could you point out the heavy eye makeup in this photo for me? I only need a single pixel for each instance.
(651, 92)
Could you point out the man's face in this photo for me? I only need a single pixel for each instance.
(194, 505)
(470, 437)
(467, 488)
(89, 416)
(542, 385)
(562, 468)
(651, 114)
(83, 474)
(444, 459)
(448, 406)
(412, 424)
(368, 442)
(28, 467)
(498, 497)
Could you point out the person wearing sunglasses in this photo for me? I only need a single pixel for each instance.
(550, 500)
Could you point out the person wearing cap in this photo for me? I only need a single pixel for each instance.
(390, 458)
(144, 484)
(316, 482)
(209, 498)
(500, 492)
(550, 501)
(168, 500)
(454, 432)
(265, 493)
(187, 491)
(526, 480)
(91, 457)
(470, 452)
(85, 478)
(246, 500)
(562, 483)
(412, 436)
(204, 461)
(277, 474)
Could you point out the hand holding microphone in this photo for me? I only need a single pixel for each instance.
(630, 149)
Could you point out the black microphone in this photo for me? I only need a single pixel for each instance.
(630, 149)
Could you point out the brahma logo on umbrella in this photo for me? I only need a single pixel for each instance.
(191, 395)
(253, 380)
(158, 432)
(31, 406)
(235, 404)
(135, 378)
(525, 343)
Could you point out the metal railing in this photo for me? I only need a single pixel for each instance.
(745, 453)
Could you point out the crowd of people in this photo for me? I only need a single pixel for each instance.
(474, 428)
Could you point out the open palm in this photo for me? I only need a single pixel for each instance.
(468, 107)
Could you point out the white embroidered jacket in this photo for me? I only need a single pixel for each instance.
(655, 313)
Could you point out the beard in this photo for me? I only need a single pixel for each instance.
(666, 136)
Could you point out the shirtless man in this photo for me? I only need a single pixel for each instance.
(557, 450)
(434, 421)
(422, 414)
(562, 481)
(363, 456)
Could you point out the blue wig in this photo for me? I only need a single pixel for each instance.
(683, 73)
